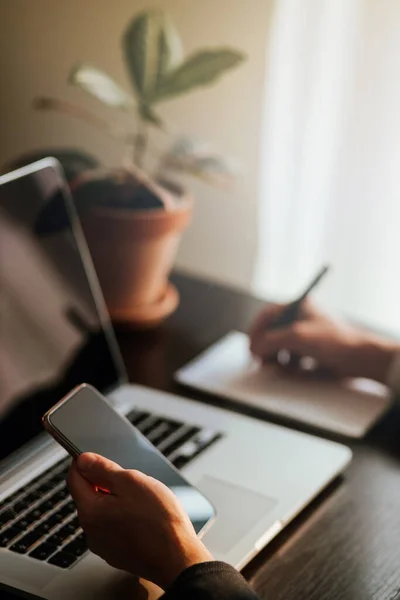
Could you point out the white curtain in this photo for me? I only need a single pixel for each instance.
(330, 189)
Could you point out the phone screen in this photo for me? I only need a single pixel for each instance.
(91, 424)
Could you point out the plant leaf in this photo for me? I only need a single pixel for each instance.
(101, 86)
(66, 108)
(152, 47)
(184, 147)
(170, 49)
(202, 68)
(150, 116)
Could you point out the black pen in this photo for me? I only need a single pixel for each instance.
(292, 311)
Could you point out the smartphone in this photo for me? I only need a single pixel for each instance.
(84, 421)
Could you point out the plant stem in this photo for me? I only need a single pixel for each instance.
(140, 143)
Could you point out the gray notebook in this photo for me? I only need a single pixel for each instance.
(226, 369)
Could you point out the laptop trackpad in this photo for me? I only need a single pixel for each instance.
(238, 511)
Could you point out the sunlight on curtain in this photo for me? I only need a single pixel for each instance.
(330, 188)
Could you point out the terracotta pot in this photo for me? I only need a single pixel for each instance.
(133, 253)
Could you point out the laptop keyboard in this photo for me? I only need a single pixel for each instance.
(177, 441)
(40, 519)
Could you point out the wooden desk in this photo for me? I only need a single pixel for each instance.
(346, 545)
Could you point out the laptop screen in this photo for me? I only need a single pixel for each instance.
(51, 334)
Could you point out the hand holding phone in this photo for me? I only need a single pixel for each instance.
(84, 421)
(140, 527)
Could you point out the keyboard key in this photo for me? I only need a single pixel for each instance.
(25, 521)
(44, 487)
(31, 498)
(59, 536)
(171, 436)
(189, 449)
(39, 511)
(20, 506)
(45, 506)
(62, 559)
(180, 461)
(207, 436)
(76, 547)
(58, 516)
(48, 525)
(66, 466)
(64, 512)
(194, 447)
(44, 482)
(43, 551)
(150, 426)
(59, 496)
(68, 508)
(175, 424)
(75, 522)
(71, 527)
(136, 417)
(6, 516)
(181, 439)
(8, 535)
(61, 476)
(162, 433)
(22, 546)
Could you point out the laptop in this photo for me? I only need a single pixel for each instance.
(55, 333)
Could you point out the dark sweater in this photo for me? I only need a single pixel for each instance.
(210, 581)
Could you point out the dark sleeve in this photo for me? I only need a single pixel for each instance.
(210, 581)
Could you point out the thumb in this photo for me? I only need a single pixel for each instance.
(100, 471)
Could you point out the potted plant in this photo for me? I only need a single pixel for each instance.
(133, 216)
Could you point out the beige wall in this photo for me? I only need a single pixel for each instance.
(41, 39)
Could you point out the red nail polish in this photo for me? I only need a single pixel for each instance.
(101, 490)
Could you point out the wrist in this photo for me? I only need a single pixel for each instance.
(181, 559)
(376, 357)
